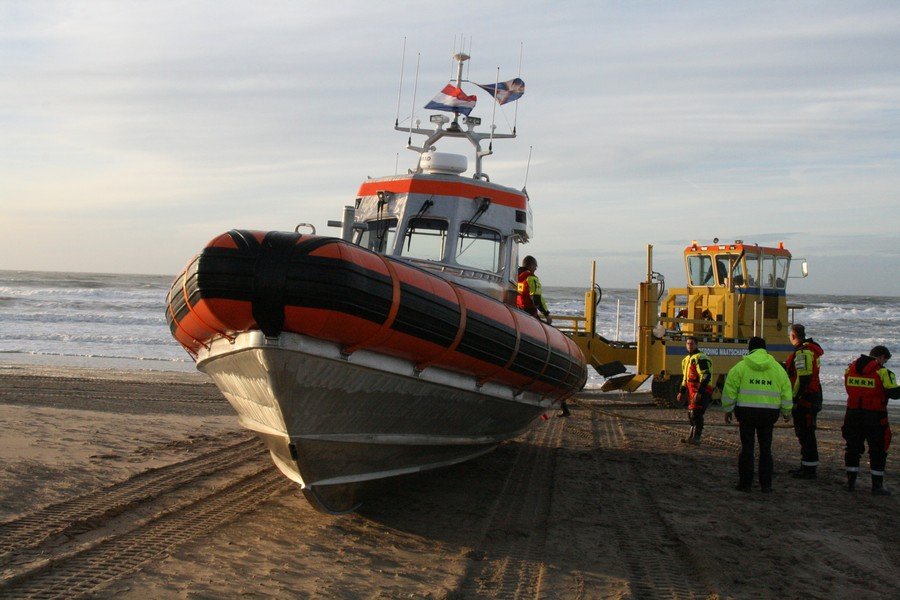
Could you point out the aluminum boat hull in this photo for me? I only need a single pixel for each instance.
(337, 424)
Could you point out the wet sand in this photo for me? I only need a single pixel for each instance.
(137, 485)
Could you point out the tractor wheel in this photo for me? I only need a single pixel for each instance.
(665, 390)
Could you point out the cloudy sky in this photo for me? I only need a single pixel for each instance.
(133, 132)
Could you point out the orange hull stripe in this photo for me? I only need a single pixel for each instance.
(443, 188)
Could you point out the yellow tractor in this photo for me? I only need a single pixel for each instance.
(734, 292)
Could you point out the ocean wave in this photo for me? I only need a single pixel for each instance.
(55, 318)
(163, 339)
(185, 359)
(63, 279)
(65, 296)
(123, 317)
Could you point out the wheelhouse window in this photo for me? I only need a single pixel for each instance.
(513, 258)
(379, 235)
(425, 238)
(479, 248)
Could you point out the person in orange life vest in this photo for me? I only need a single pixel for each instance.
(803, 370)
(869, 386)
(530, 298)
(696, 370)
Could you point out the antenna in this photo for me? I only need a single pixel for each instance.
(470, 54)
(396, 163)
(494, 110)
(412, 111)
(452, 53)
(527, 168)
(516, 114)
(400, 91)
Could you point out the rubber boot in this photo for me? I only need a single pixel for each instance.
(690, 437)
(804, 472)
(564, 410)
(851, 480)
(698, 431)
(878, 488)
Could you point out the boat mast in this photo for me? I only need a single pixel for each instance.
(453, 129)
(460, 57)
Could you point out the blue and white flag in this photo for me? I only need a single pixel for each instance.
(453, 99)
(505, 91)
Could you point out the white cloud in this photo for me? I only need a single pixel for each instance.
(651, 123)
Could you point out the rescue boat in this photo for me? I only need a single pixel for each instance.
(391, 350)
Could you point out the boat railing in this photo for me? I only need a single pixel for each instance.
(457, 271)
(792, 308)
(700, 327)
(570, 323)
(576, 324)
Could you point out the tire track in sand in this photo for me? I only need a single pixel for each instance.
(659, 564)
(507, 562)
(92, 568)
(93, 509)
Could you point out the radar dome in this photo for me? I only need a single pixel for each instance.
(444, 162)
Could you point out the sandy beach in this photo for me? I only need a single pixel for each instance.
(142, 484)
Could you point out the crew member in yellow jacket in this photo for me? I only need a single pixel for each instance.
(757, 390)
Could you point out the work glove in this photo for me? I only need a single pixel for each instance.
(680, 398)
(728, 417)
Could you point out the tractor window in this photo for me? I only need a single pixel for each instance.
(782, 268)
(731, 267)
(768, 271)
(752, 263)
(379, 235)
(723, 268)
(425, 239)
(479, 248)
(700, 270)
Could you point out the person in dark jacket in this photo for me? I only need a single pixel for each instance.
(869, 386)
(803, 370)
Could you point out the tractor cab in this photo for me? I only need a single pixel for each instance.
(733, 291)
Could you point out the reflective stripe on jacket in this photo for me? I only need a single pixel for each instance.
(696, 373)
(758, 381)
(523, 300)
(803, 370)
(530, 298)
(867, 383)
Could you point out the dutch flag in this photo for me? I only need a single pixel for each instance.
(452, 99)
